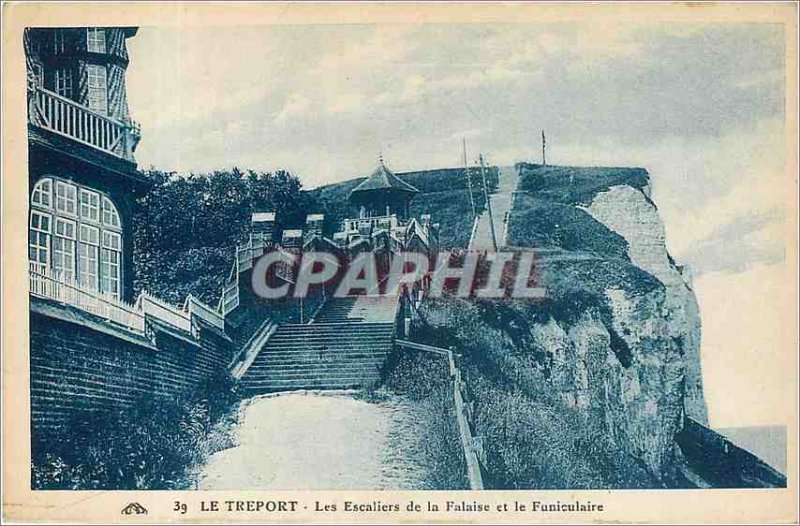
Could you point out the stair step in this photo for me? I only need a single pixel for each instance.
(316, 353)
(344, 333)
(335, 334)
(306, 359)
(300, 375)
(345, 346)
(312, 382)
(327, 343)
(328, 366)
(339, 362)
(319, 344)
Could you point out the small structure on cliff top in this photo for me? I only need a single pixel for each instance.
(384, 218)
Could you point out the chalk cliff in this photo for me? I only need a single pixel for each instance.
(617, 339)
(615, 344)
(631, 213)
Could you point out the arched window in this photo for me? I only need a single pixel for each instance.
(75, 235)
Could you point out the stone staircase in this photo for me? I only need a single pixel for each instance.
(345, 347)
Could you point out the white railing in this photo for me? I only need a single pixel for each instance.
(230, 298)
(473, 231)
(57, 286)
(68, 118)
(245, 257)
(389, 222)
(161, 310)
(195, 307)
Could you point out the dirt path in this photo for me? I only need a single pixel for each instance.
(501, 205)
(320, 441)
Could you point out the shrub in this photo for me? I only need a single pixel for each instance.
(157, 443)
(531, 438)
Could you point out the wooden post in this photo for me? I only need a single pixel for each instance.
(544, 145)
(488, 204)
(469, 176)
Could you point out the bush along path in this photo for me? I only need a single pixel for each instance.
(157, 443)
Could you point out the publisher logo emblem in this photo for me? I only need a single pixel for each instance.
(134, 508)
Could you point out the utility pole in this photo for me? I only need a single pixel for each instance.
(469, 176)
(544, 145)
(488, 203)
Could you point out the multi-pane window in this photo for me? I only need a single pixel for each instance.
(88, 241)
(38, 73)
(64, 82)
(90, 205)
(110, 257)
(75, 236)
(64, 249)
(43, 193)
(66, 197)
(39, 241)
(98, 88)
(59, 41)
(110, 215)
(96, 40)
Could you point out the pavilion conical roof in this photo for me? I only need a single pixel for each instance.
(383, 179)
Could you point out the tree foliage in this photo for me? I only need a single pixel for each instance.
(186, 227)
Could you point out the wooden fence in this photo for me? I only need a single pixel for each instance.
(472, 445)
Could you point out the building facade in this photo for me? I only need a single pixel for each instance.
(82, 173)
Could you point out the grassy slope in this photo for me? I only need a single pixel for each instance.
(546, 216)
(532, 440)
(576, 184)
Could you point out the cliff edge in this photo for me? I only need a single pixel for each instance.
(617, 339)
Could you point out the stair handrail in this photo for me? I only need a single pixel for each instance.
(318, 309)
(240, 365)
(266, 323)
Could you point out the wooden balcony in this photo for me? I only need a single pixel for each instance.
(55, 285)
(67, 118)
(61, 287)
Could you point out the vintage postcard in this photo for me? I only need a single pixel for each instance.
(399, 263)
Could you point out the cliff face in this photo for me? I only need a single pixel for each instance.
(638, 404)
(630, 212)
(617, 339)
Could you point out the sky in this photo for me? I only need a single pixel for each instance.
(700, 106)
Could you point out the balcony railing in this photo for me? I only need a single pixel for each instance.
(55, 285)
(66, 117)
(389, 222)
(58, 285)
(161, 310)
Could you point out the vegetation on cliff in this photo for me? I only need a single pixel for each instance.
(576, 185)
(532, 439)
(425, 380)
